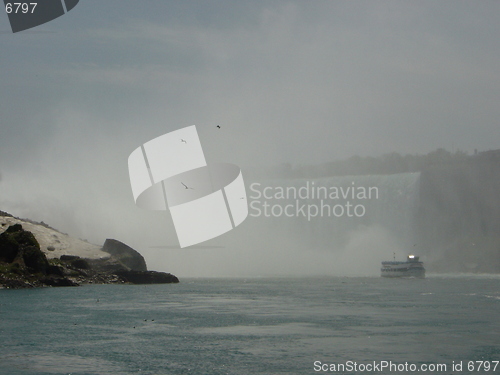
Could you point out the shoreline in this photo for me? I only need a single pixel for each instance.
(64, 261)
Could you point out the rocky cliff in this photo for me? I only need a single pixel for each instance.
(125, 255)
(34, 254)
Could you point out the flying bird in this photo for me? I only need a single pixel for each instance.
(185, 186)
(218, 126)
(183, 140)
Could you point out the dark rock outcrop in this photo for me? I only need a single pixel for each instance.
(56, 270)
(3, 213)
(147, 277)
(81, 264)
(21, 247)
(125, 255)
(58, 281)
(107, 265)
(24, 265)
(69, 257)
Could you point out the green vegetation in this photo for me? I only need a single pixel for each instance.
(11, 270)
(56, 262)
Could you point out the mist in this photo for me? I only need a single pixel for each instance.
(288, 82)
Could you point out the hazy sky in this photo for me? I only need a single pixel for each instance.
(289, 81)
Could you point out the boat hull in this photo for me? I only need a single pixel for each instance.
(407, 273)
(402, 269)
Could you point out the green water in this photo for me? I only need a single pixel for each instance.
(252, 326)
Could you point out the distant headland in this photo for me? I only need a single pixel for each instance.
(34, 254)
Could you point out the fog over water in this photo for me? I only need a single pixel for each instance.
(294, 82)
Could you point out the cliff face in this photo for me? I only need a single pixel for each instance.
(458, 216)
(125, 254)
(53, 243)
(23, 264)
(64, 261)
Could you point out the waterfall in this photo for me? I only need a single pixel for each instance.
(325, 213)
(449, 214)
